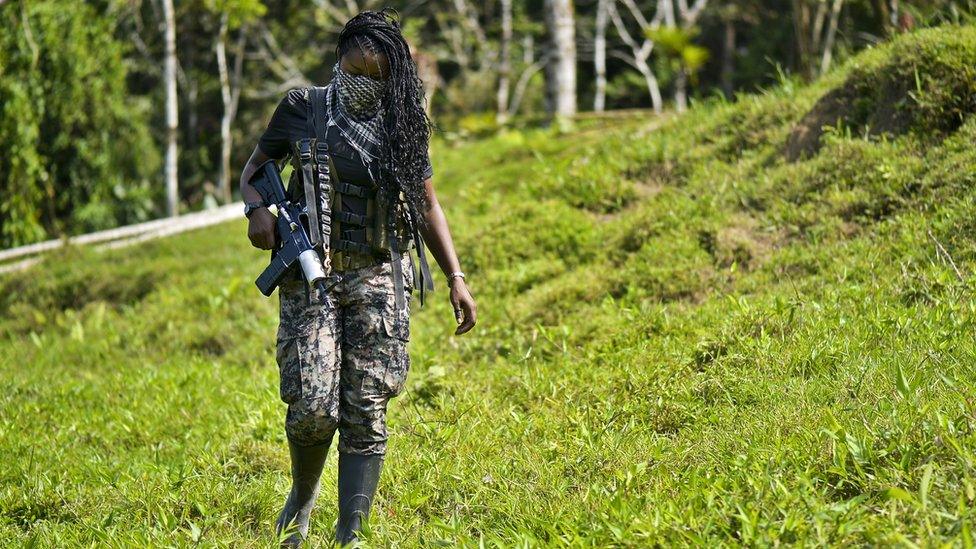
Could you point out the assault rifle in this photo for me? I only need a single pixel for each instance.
(295, 244)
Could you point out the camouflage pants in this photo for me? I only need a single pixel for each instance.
(342, 357)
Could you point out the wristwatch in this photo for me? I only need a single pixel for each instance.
(455, 274)
(249, 208)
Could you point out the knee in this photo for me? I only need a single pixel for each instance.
(311, 422)
(362, 427)
(363, 443)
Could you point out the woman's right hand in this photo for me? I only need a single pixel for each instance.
(262, 229)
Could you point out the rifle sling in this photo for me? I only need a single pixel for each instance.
(323, 164)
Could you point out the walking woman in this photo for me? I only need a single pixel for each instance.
(359, 149)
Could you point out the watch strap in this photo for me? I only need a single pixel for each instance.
(249, 208)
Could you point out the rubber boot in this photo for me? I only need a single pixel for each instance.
(306, 471)
(358, 477)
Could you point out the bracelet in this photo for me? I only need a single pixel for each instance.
(455, 274)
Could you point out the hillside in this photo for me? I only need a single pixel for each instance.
(728, 327)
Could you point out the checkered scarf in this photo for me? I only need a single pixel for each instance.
(347, 94)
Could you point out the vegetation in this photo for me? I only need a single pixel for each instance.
(77, 148)
(91, 96)
(726, 327)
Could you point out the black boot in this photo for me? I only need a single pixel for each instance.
(358, 477)
(306, 469)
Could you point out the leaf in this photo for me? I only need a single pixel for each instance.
(899, 494)
(902, 383)
(923, 489)
(694, 57)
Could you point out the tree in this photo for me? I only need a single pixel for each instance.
(600, 55)
(640, 51)
(172, 113)
(234, 15)
(504, 62)
(815, 31)
(828, 47)
(561, 69)
(690, 57)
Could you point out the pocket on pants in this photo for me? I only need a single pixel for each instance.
(395, 333)
(290, 367)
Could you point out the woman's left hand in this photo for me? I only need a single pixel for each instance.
(465, 309)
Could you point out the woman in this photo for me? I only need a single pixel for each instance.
(342, 355)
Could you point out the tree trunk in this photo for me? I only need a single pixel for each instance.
(801, 31)
(523, 84)
(828, 48)
(886, 16)
(504, 63)
(600, 56)
(532, 66)
(728, 58)
(528, 49)
(172, 115)
(816, 28)
(641, 51)
(562, 73)
(191, 111)
(230, 92)
(653, 89)
(223, 181)
(681, 90)
(666, 7)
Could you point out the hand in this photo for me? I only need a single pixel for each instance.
(262, 229)
(465, 309)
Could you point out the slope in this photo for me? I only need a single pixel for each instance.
(729, 327)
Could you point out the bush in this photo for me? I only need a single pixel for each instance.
(73, 140)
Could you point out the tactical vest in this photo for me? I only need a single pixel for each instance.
(345, 239)
(355, 239)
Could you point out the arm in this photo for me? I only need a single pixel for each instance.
(273, 144)
(437, 236)
(261, 229)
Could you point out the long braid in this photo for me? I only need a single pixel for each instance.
(407, 127)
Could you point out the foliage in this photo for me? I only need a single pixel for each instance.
(677, 44)
(111, 175)
(239, 12)
(77, 150)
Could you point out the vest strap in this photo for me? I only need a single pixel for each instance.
(425, 282)
(324, 177)
(343, 245)
(396, 267)
(353, 218)
(311, 204)
(352, 190)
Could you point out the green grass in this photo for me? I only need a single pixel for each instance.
(684, 338)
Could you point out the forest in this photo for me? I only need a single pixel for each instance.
(119, 111)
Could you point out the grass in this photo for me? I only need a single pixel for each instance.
(686, 337)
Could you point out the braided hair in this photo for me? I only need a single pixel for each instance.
(405, 120)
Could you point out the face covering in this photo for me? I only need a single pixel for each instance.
(359, 95)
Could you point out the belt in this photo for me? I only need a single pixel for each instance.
(347, 260)
(343, 260)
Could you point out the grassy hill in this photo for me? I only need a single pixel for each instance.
(728, 327)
